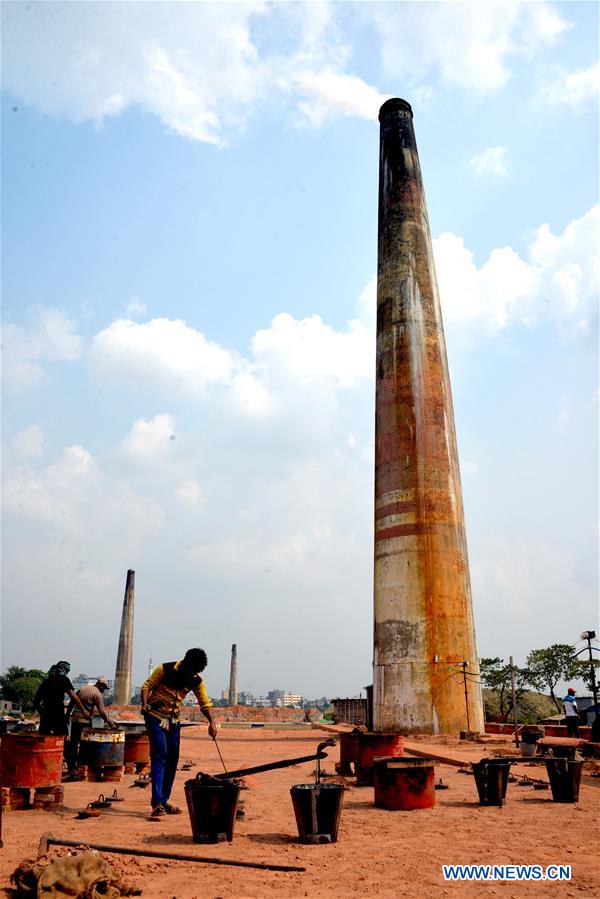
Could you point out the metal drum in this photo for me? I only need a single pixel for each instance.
(137, 749)
(100, 747)
(373, 745)
(30, 760)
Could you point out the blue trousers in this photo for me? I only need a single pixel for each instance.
(164, 758)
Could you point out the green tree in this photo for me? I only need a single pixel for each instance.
(20, 685)
(585, 672)
(549, 666)
(495, 675)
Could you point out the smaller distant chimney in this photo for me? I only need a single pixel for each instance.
(233, 677)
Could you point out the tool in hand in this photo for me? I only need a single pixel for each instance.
(220, 756)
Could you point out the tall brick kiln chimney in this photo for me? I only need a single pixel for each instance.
(233, 676)
(122, 689)
(424, 627)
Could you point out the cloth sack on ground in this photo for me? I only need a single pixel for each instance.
(85, 875)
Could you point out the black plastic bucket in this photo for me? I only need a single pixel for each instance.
(212, 806)
(317, 808)
(565, 778)
(491, 778)
(531, 736)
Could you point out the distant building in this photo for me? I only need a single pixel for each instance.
(292, 699)
(323, 703)
(281, 698)
(245, 697)
(84, 680)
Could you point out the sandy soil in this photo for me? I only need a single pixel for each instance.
(379, 853)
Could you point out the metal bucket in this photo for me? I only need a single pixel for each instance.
(491, 778)
(30, 760)
(403, 784)
(212, 806)
(528, 750)
(100, 747)
(529, 740)
(565, 778)
(317, 808)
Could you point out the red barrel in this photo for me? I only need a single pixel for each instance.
(403, 784)
(371, 746)
(137, 748)
(30, 760)
(348, 752)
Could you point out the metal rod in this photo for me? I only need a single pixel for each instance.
(592, 669)
(514, 699)
(464, 668)
(286, 763)
(175, 856)
(220, 756)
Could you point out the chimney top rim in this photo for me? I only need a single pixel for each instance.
(394, 104)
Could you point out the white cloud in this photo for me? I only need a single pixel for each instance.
(190, 493)
(28, 443)
(492, 160)
(327, 94)
(196, 66)
(54, 495)
(150, 440)
(557, 279)
(301, 365)
(309, 351)
(203, 68)
(468, 45)
(170, 355)
(574, 89)
(250, 394)
(135, 308)
(162, 351)
(63, 494)
(49, 335)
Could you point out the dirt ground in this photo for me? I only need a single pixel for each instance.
(379, 853)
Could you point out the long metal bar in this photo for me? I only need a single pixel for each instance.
(174, 856)
(286, 763)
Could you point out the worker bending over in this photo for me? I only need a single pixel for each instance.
(162, 695)
(91, 698)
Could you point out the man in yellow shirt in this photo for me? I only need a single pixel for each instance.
(162, 695)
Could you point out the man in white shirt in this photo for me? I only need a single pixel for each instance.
(571, 713)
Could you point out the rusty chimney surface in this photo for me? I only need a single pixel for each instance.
(233, 676)
(122, 689)
(424, 624)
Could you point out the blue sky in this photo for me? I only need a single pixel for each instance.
(189, 240)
